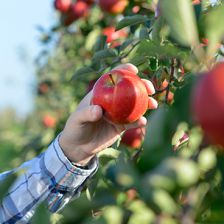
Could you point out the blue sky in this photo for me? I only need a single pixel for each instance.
(19, 39)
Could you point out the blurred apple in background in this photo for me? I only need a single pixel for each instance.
(133, 138)
(49, 121)
(113, 36)
(62, 5)
(208, 104)
(113, 6)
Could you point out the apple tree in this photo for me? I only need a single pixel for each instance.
(172, 171)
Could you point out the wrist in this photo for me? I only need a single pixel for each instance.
(74, 153)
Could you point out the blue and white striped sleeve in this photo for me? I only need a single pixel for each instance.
(49, 178)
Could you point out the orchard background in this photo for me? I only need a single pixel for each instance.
(167, 174)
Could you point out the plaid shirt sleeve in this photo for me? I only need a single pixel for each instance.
(49, 178)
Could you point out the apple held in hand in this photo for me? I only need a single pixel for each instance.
(122, 95)
(208, 104)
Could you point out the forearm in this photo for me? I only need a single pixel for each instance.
(49, 178)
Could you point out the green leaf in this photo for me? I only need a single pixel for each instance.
(113, 214)
(126, 44)
(106, 53)
(157, 139)
(109, 152)
(131, 20)
(164, 201)
(140, 213)
(207, 159)
(138, 60)
(153, 63)
(6, 183)
(214, 28)
(42, 215)
(156, 33)
(122, 173)
(100, 43)
(155, 129)
(83, 71)
(176, 167)
(181, 20)
(151, 48)
(143, 34)
(93, 41)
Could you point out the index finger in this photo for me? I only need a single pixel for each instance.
(149, 86)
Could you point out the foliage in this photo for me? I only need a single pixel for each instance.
(175, 176)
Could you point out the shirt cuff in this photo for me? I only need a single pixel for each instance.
(62, 173)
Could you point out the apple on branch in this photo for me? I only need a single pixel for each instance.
(62, 5)
(113, 36)
(208, 104)
(113, 6)
(77, 10)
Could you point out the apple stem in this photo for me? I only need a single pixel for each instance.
(112, 80)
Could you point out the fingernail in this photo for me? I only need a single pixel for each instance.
(150, 88)
(153, 104)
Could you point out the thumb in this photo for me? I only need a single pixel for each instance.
(90, 113)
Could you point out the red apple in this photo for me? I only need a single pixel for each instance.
(196, 2)
(80, 9)
(49, 121)
(133, 137)
(43, 88)
(122, 95)
(170, 97)
(89, 2)
(205, 42)
(113, 6)
(136, 9)
(162, 89)
(159, 86)
(62, 5)
(208, 104)
(68, 18)
(76, 11)
(114, 36)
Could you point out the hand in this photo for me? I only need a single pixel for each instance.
(86, 131)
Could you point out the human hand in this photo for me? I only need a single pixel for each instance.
(87, 132)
